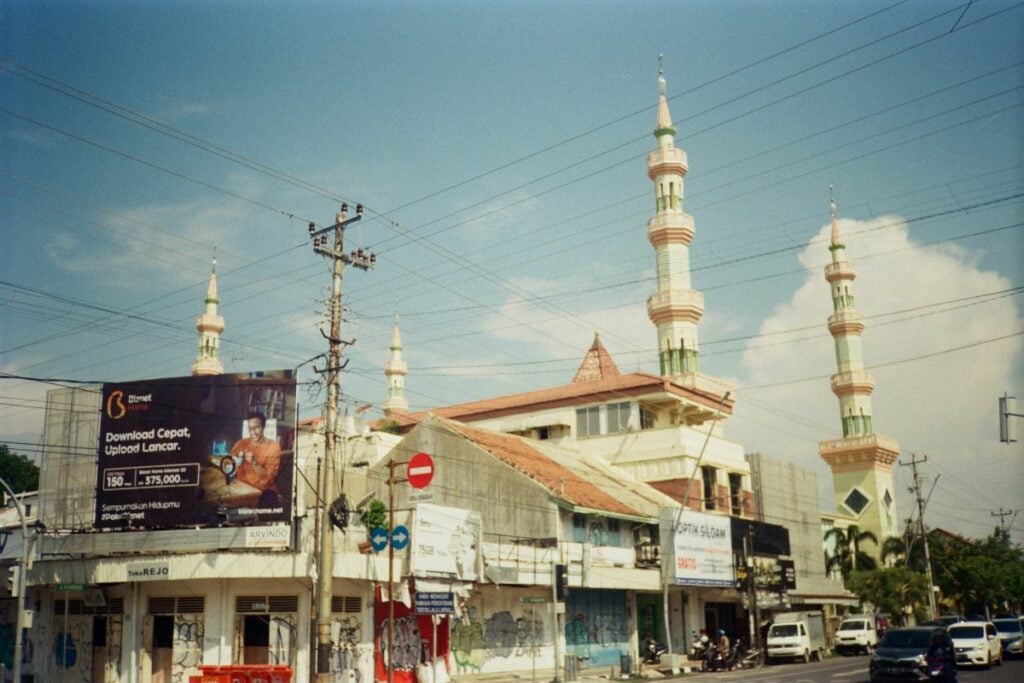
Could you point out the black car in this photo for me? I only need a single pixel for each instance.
(901, 654)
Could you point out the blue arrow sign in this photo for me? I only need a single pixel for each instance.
(379, 539)
(399, 537)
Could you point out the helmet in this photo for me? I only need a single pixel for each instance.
(721, 631)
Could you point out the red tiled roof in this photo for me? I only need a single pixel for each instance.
(558, 479)
(608, 388)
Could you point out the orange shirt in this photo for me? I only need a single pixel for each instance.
(267, 455)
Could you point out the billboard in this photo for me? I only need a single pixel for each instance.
(699, 546)
(445, 543)
(188, 451)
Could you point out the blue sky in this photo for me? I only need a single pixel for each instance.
(499, 149)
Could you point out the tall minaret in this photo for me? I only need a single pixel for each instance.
(209, 325)
(675, 309)
(395, 370)
(861, 461)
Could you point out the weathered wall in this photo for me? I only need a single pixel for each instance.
(500, 632)
(597, 631)
(510, 504)
(788, 495)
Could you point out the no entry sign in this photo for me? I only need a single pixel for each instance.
(420, 470)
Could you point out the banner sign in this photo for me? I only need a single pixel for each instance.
(445, 542)
(698, 547)
(188, 451)
(434, 603)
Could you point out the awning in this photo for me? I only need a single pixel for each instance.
(818, 599)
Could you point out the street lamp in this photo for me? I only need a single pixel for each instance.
(20, 589)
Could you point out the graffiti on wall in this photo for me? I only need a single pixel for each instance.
(529, 633)
(283, 631)
(72, 649)
(405, 643)
(468, 645)
(349, 653)
(187, 648)
(499, 636)
(597, 634)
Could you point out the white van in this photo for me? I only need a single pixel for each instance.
(796, 635)
(857, 634)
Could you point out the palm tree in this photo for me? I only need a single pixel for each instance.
(848, 556)
(895, 548)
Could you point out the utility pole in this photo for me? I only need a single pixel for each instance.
(914, 462)
(1002, 515)
(665, 571)
(755, 612)
(325, 552)
(19, 588)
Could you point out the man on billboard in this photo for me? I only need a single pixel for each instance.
(259, 458)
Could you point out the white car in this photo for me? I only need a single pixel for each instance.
(857, 634)
(976, 643)
(1011, 632)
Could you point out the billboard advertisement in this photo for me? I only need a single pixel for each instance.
(445, 542)
(188, 451)
(699, 546)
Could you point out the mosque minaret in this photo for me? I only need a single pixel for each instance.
(675, 308)
(209, 325)
(395, 371)
(861, 461)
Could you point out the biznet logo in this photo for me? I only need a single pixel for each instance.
(119, 404)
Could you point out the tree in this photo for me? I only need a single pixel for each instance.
(894, 548)
(986, 574)
(896, 591)
(376, 515)
(849, 556)
(20, 473)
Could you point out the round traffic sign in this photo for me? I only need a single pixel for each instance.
(379, 538)
(420, 470)
(399, 537)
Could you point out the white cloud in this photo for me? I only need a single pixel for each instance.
(481, 225)
(157, 238)
(22, 408)
(564, 329)
(941, 405)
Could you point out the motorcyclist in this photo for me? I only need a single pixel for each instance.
(941, 650)
(723, 642)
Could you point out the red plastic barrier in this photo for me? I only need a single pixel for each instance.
(210, 678)
(244, 673)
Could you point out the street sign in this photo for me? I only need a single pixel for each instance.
(71, 587)
(379, 539)
(435, 603)
(399, 537)
(533, 599)
(420, 470)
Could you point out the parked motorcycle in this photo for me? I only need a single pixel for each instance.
(653, 651)
(699, 648)
(715, 659)
(750, 659)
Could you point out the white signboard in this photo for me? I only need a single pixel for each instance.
(149, 571)
(445, 542)
(698, 547)
(268, 536)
